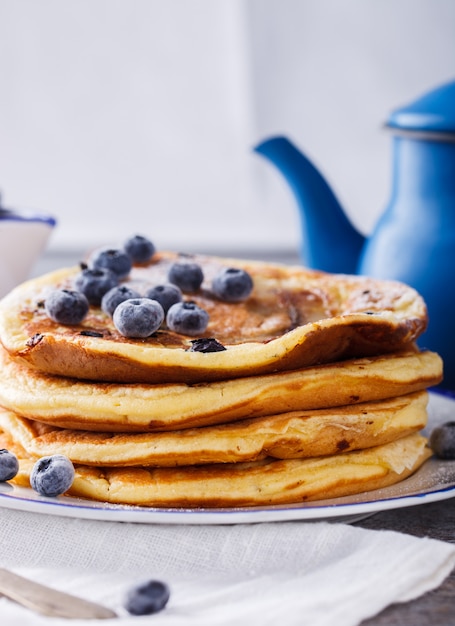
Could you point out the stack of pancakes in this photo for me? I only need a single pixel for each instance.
(316, 390)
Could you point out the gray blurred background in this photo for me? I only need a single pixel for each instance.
(120, 117)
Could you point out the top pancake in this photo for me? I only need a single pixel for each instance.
(294, 318)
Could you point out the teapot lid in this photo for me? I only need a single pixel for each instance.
(432, 113)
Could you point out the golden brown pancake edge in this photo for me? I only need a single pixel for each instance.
(299, 434)
(296, 318)
(262, 483)
(112, 407)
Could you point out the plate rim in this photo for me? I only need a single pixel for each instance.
(67, 506)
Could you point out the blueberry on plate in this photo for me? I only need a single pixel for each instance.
(113, 259)
(52, 475)
(232, 285)
(187, 318)
(139, 249)
(138, 317)
(186, 275)
(147, 598)
(166, 294)
(9, 465)
(66, 306)
(94, 283)
(442, 441)
(115, 296)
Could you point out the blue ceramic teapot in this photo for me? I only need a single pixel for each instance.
(414, 239)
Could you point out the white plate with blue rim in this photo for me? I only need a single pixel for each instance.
(433, 482)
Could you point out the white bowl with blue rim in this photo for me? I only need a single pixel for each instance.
(23, 238)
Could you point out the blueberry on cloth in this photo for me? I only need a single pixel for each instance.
(94, 283)
(113, 259)
(150, 597)
(66, 306)
(52, 475)
(138, 317)
(9, 465)
(206, 344)
(166, 294)
(115, 296)
(186, 275)
(442, 441)
(139, 249)
(187, 318)
(232, 285)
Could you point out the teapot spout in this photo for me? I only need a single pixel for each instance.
(329, 241)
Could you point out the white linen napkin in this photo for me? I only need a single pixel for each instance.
(294, 573)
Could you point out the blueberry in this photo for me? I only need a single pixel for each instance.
(139, 248)
(94, 283)
(187, 318)
(52, 475)
(138, 317)
(113, 259)
(166, 295)
(116, 296)
(232, 285)
(9, 465)
(186, 275)
(442, 441)
(66, 306)
(150, 597)
(206, 344)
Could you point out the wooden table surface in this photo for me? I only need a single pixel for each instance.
(436, 520)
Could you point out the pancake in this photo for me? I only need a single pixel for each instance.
(299, 434)
(266, 482)
(294, 318)
(112, 407)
